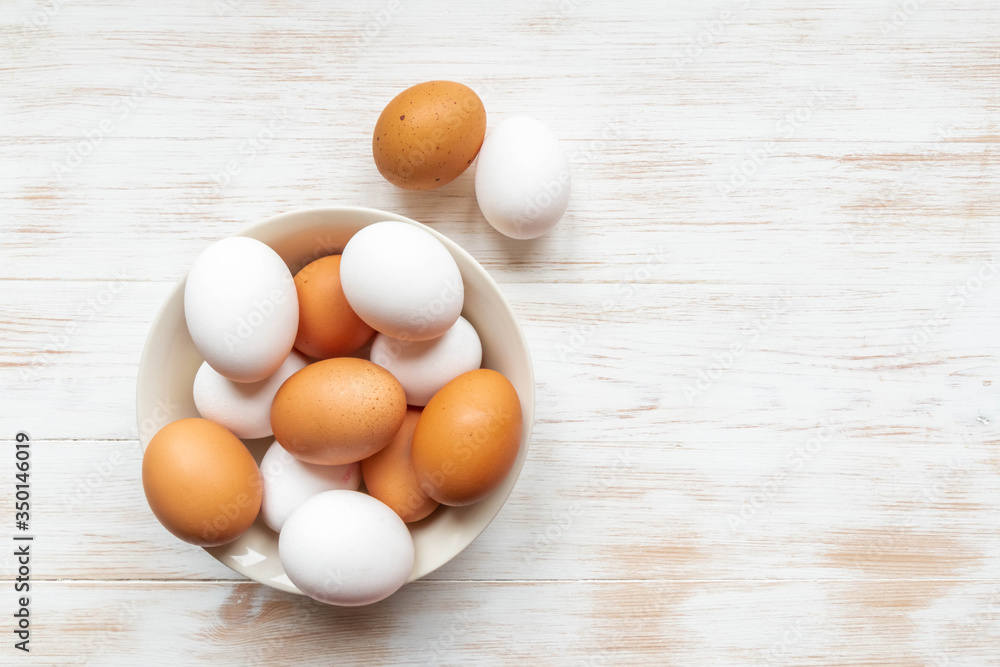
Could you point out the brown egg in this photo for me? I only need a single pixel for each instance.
(338, 411)
(201, 482)
(429, 134)
(467, 438)
(327, 325)
(389, 475)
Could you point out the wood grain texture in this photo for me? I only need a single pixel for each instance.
(485, 623)
(765, 334)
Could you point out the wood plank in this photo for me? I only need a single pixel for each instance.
(828, 502)
(488, 623)
(763, 212)
(227, 76)
(652, 363)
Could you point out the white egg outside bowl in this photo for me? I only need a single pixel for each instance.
(169, 364)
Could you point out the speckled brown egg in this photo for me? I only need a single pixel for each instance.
(429, 134)
(328, 327)
(467, 438)
(338, 411)
(201, 482)
(389, 475)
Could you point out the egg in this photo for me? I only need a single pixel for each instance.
(429, 134)
(289, 482)
(241, 308)
(402, 281)
(338, 411)
(346, 548)
(523, 179)
(242, 407)
(423, 367)
(201, 482)
(327, 325)
(467, 438)
(389, 475)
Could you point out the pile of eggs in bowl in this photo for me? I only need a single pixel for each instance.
(360, 365)
(365, 372)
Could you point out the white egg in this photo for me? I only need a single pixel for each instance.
(346, 548)
(242, 407)
(241, 308)
(402, 281)
(289, 482)
(423, 367)
(522, 178)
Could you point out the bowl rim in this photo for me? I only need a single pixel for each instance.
(453, 247)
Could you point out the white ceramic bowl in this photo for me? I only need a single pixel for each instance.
(170, 361)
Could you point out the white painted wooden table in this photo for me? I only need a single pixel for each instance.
(766, 335)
